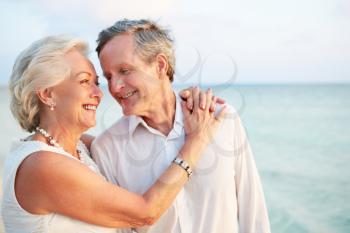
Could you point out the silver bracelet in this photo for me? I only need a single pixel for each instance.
(182, 163)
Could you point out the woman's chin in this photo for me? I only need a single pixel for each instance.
(88, 125)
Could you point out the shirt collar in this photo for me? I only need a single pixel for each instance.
(135, 121)
(179, 117)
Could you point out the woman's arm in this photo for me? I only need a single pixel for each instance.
(47, 182)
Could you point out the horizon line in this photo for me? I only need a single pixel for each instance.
(246, 84)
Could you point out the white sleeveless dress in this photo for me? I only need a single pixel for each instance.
(16, 219)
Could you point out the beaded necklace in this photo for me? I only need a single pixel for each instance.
(51, 140)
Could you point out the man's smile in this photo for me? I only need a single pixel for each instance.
(127, 95)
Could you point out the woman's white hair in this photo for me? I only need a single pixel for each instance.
(42, 65)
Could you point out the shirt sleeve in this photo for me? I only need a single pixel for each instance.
(252, 211)
(103, 155)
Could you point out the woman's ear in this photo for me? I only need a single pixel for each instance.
(162, 65)
(46, 97)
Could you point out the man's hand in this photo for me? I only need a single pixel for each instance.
(191, 96)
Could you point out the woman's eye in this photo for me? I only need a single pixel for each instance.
(84, 81)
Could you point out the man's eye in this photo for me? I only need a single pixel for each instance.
(124, 71)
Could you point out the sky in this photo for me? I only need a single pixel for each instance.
(217, 42)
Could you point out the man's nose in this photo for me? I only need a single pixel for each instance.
(116, 85)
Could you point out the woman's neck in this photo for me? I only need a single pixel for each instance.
(67, 139)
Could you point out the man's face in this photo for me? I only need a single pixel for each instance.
(131, 81)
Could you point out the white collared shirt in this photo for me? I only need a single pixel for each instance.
(224, 194)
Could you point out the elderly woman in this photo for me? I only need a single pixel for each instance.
(50, 182)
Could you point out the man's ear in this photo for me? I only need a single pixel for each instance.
(162, 65)
(46, 96)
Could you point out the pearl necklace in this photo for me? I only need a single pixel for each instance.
(48, 137)
(51, 140)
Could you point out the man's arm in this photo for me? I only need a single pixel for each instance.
(252, 211)
(87, 140)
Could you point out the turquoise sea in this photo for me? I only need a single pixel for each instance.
(300, 135)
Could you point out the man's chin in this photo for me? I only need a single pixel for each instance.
(130, 109)
(128, 112)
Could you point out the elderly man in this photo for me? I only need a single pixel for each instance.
(224, 193)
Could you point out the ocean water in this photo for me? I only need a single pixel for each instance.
(300, 136)
(301, 139)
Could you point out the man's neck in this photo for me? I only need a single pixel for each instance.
(162, 115)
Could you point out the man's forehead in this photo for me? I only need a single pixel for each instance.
(122, 42)
(119, 47)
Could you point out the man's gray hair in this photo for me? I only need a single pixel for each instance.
(150, 40)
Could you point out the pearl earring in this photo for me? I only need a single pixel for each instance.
(52, 106)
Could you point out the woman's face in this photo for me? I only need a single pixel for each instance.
(77, 97)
